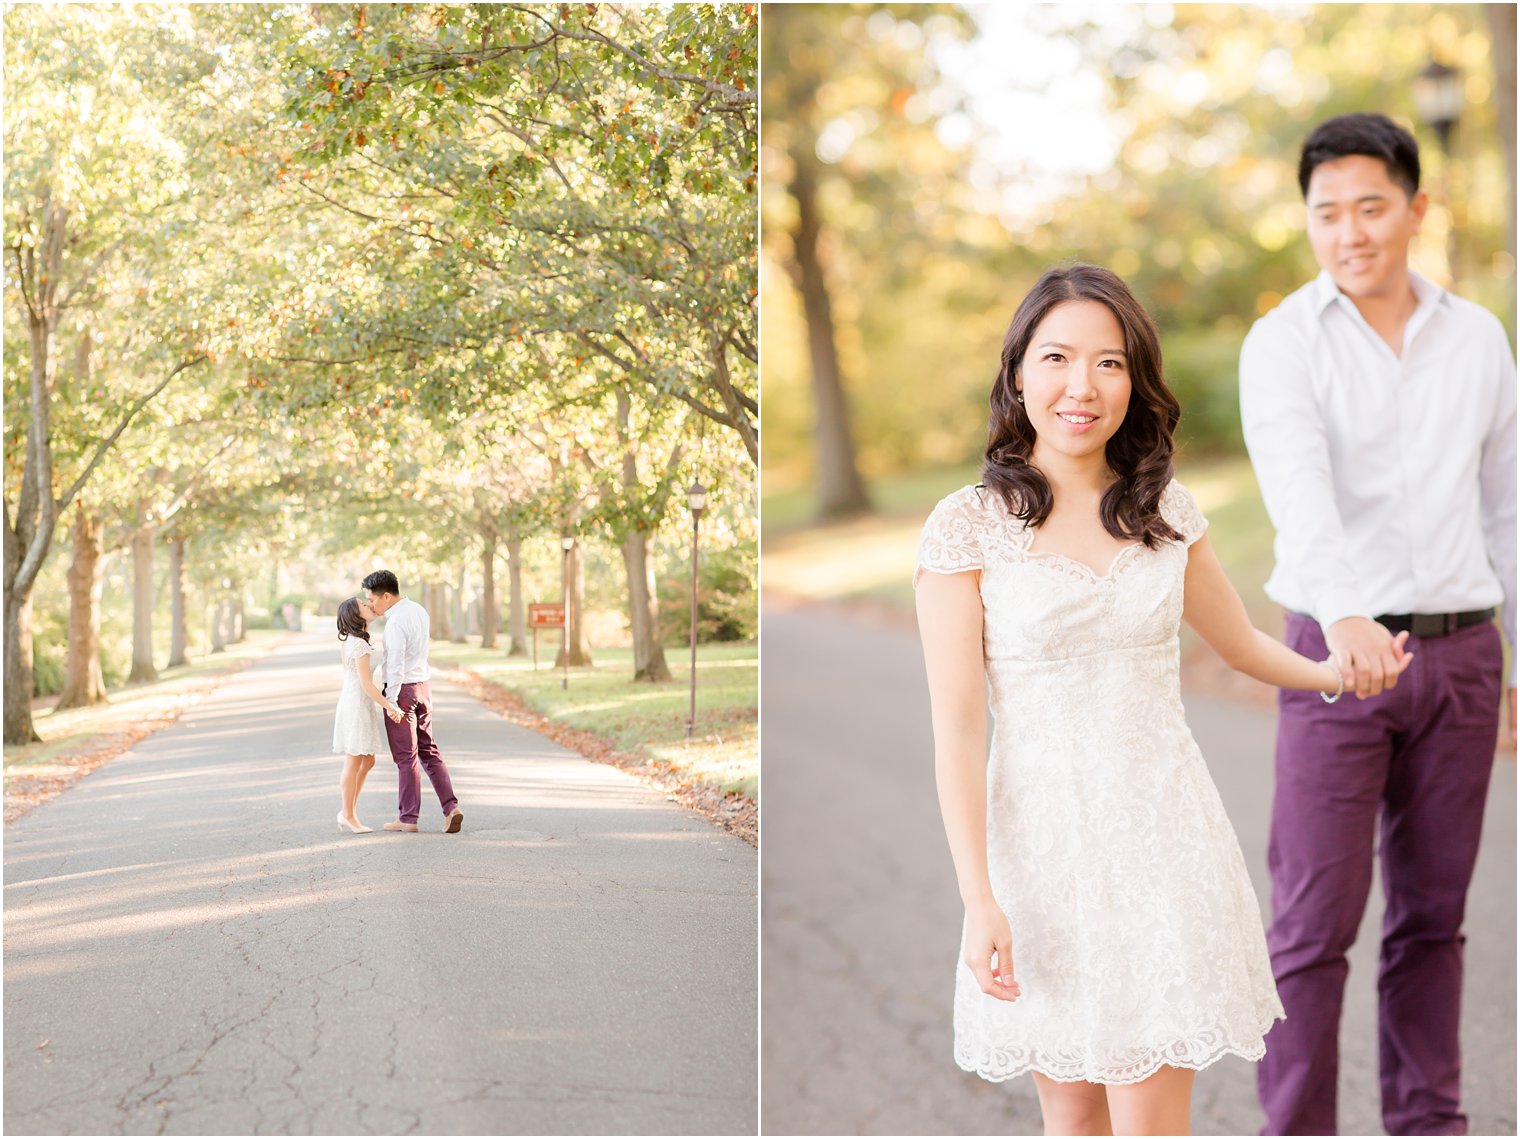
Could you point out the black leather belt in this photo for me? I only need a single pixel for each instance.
(1433, 624)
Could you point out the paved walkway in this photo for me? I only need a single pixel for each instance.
(191, 946)
(862, 920)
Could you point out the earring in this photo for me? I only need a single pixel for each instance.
(1019, 396)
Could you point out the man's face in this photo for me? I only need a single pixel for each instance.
(380, 601)
(1360, 225)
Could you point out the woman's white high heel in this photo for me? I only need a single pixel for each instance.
(344, 824)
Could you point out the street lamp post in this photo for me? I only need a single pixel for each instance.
(566, 543)
(696, 498)
(1439, 94)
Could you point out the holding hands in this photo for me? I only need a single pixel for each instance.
(394, 711)
(1371, 659)
(989, 950)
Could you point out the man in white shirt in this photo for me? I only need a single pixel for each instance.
(1379, 412)
(407, 628)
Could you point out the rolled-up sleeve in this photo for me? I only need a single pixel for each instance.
(1286, 440)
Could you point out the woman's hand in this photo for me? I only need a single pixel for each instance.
(989, 950)
(394, 711)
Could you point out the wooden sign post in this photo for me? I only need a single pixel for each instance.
(546, 615)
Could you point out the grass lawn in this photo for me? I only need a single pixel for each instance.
(78, 740)
(645, 720)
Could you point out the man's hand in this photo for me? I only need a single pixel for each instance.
(1507, 737)
(1369, 661)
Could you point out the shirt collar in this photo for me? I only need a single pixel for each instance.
(1427, 294)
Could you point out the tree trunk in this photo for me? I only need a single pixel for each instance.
(29, 534)
(18, 668)
(218, 641)
(580, 651)
(442, 630)
(734, 402)
(456, 606)
(840, 488)
(83, 682)
(489, 618)
(238, 617)
(179, 634)
(18, 671)
(517, 622)
(142, 607)
(648, 654)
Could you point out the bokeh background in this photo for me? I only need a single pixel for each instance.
(921, 166)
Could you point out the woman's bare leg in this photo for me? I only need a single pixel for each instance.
(366, 762)
(350, 783)
(1160, 1105)
(1076, 1108)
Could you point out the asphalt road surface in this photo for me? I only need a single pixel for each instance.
(192, 947)
(861, 918)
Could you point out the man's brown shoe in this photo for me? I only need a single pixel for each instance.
(398, 825)
(455, 820)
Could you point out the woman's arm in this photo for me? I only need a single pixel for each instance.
(367, 682)
(950, 626)
(1214, 610)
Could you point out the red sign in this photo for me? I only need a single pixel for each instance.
(546, 615)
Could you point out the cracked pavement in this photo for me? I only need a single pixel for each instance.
(192, 947)
(861, 916)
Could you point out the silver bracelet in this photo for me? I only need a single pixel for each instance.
(1340, 682)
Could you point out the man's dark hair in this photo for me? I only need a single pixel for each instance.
(1376, 136)
(382, 581)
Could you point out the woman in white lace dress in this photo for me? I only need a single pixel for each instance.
(1112, 944)
(358, 730)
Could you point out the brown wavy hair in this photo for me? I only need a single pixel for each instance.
(1140, 452)
(351, 622)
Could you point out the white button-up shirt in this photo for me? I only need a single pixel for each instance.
(1390, 479)
(407, 628)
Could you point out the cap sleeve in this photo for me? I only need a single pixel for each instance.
(1181, 512)
(949, 542)
(354, 648)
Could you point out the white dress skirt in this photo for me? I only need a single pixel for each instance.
(1137, 938)
(359, 726)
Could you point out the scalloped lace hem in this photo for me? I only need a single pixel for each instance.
(1129, 1074)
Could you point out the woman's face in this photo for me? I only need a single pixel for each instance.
(1075, 379)
(367, 611)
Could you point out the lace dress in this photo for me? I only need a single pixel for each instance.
(359, 727)
(1137, 939)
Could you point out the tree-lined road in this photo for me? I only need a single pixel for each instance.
(862, 918)
(191, 946)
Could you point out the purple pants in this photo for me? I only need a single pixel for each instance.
(413, 748)
(1409, 768)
